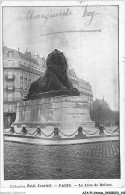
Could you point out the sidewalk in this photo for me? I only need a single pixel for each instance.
(41, 141)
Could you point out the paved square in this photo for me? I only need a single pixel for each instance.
(99, 160)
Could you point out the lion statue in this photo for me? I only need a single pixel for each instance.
(54, 80)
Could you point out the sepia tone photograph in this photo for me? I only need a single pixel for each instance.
(61, 93)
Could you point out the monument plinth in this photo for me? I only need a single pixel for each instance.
(63, 112)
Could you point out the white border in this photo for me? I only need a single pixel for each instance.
(118, 184)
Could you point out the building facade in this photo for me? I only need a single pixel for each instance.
(84, 87)
(19, 70)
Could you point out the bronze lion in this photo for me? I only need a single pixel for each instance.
(55, 81)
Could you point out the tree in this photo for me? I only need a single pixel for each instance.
(101, 113)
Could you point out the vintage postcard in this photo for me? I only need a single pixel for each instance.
(63, 97)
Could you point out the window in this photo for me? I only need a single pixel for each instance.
(25, 81)
(30, 78)
(10, 63)
(10, 87)
(17, 96)
(19, 63)
(21, 75)
(5, 96)
(21, 85)
(10, 74)
(25, 87)
(10, 53)
(22, 94)
(10, 96)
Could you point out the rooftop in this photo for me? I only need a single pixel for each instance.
(27, 56)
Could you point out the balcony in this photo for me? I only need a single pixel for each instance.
(10, 77)
(10, 88)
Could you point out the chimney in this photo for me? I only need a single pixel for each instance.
(36, 53)
(29, 54)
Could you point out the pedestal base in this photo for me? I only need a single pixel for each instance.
(65, 113)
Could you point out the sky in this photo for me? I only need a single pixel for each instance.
(87, 35)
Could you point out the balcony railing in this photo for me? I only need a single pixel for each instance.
(10, 77)
(10, 88)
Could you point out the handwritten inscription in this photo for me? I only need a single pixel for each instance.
(87, 14)
(31, 15)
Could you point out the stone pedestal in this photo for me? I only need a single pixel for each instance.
(64, 113)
